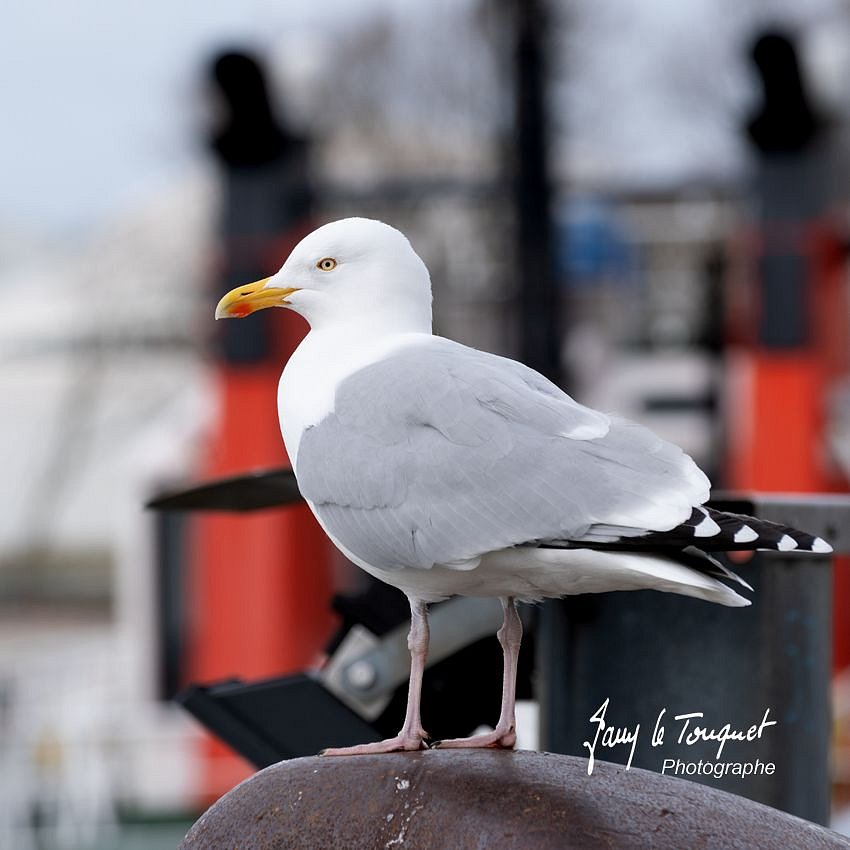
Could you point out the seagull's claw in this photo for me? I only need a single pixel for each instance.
(390, 745)
(498, 739)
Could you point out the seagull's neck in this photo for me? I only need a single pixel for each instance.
(326, 357)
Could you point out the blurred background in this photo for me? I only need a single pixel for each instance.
(649, 202)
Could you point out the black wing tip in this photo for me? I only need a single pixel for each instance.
(710, 530)
(758, 534)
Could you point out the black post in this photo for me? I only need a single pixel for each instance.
(267, 196)
(646, 652)
(540, 331)
(790, 193)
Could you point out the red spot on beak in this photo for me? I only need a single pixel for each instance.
(240, 311)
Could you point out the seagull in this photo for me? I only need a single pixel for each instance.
(444, 470)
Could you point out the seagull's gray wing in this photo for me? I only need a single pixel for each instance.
(440, 453)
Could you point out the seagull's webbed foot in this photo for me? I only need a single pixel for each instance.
(501, 739)
(401, 743)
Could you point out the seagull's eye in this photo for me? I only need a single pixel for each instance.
(328, 264)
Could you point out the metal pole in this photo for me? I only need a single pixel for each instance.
(540, 331)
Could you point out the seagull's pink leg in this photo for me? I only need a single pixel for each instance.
(504, 735)
(412, 735)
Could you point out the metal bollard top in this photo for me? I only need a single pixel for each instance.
(487, 798)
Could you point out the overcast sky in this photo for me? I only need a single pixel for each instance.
(93, 95)
(100, 101)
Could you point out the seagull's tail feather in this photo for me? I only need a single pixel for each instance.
(559, 571)
(697, 574)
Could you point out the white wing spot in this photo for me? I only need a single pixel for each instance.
(786, 543)
(745, 534)
(708, 527)
(820, 545)
(586, 432)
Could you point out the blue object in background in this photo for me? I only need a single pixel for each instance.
(591, 244)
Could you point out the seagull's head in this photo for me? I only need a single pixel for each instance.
(355, 271)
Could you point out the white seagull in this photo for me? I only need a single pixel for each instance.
(443, 470)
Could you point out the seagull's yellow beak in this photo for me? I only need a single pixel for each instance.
(247, 299)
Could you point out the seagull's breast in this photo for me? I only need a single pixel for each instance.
(321, 362)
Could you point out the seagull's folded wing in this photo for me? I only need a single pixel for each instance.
(440, 453)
